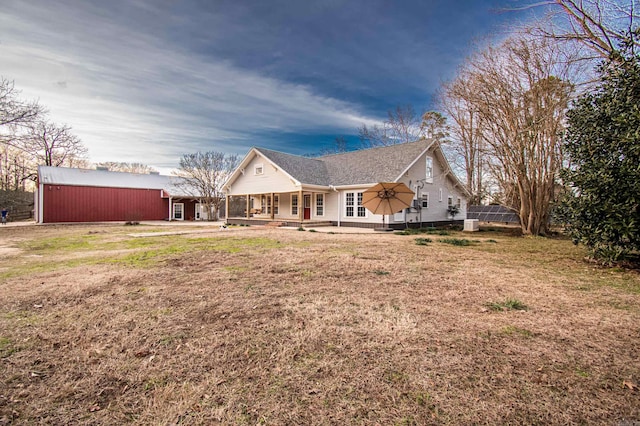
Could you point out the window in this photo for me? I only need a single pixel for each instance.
(178, 211)
(349, 204)
(276, 204)
(319, 204)
(258, 169)
(294, 204)
(459, 203)
(361, 210)
(449, 201)
(425, 201)
(353, 204)
(440, 195)
(429, 170)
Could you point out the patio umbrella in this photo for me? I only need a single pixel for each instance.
(387, 198)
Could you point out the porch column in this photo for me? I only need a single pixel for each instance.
(300, 206)
(272, 213)
(248, 214)
(226, 208)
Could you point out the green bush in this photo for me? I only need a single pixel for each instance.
(602, 201)
(423, 241)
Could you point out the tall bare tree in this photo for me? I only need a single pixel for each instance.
(520, 92)
(205, 173)
(466, 131)
(117, 166)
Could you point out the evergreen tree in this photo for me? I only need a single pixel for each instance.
(602, 206)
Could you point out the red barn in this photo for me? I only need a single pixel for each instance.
(81, 195)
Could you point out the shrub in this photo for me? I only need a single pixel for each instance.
(423, 241)
(457, 241)
(507, 305)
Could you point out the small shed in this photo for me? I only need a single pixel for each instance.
(84, 195)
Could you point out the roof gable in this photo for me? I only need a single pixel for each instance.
(310, 171)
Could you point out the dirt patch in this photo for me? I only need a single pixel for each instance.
(312, 328)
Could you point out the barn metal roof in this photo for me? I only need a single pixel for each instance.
(174, 185)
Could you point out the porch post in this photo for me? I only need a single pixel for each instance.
(300, 206)
(226, 208)
(248, 215)
(272, 213)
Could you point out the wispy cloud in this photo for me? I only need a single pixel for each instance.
(150, 80)
(134, 96)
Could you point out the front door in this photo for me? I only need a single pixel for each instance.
(307, 206)
(201, 211)
(178, 211)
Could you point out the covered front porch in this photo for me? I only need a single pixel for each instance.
(303, 207)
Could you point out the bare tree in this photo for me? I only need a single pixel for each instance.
(519, 91)
(15, 168)
(402, 125)
(53, 145)
(15, 117)
(466, 132)
(205, 173)
(599, 25)
(339, 146)
(116, 166)
(13, 111)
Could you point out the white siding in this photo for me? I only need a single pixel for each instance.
(437, 210)
(271, 180)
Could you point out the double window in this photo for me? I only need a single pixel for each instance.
(353, 205)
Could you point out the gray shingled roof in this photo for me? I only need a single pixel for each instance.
(383, 164)
(310, 171)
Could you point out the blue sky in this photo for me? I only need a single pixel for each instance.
(150, 80)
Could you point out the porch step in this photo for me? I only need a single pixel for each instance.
(275, 224)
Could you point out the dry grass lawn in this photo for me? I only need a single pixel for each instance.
(279, 327)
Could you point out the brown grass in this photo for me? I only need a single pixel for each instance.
(282, 327)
